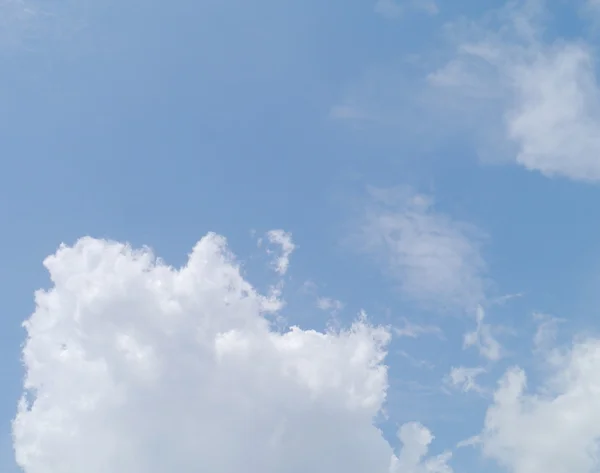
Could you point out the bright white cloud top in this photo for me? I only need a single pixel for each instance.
(557, 429)
(132, 365)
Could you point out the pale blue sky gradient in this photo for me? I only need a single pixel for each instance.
(155, 123)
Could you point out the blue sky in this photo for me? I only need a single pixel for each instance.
(435, 165)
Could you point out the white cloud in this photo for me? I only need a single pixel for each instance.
(545, 335)
(545, 91)
(557, 428)
(501, 300)
(329, 304)
(436, 260)
(132, 365)
(469, 442)
(465, 379)
(483, 338)
(287, 247)
(418, 363)
(412, 330)
(416, 440)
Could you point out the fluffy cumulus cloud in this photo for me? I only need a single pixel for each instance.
(416, 440)
(435, 259)
(546, 91)
(132, 365)
(286, 245)
(555, 429)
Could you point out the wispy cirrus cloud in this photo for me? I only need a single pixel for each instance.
(435, 260)
(465, 379)
(483, 338)
(329, 304)
(414, 330)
